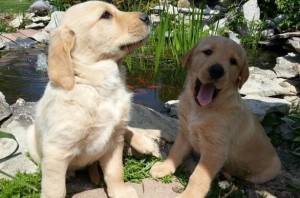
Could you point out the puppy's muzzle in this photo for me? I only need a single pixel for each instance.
(144, 17)
(216, 71)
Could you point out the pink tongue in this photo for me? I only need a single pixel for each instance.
(205, 94)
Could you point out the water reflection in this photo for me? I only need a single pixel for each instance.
(19, 78)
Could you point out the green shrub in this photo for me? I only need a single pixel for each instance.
(290, 8)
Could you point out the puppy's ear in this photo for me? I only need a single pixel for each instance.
(244, 74)
(60, 69)
(186, 59)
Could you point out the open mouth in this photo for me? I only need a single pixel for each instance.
(131, 46)
(205, 93)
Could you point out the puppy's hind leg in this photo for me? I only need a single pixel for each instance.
(141, 143)
(178, 152)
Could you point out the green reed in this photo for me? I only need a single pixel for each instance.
(172, 37)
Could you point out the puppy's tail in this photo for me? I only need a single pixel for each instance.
(32, 138)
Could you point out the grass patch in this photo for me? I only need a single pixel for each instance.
(14, 189)
(15, 6)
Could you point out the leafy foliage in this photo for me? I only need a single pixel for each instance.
(14, 189)
(290, 9)
(296, 133)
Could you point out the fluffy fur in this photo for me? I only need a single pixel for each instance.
(83, 114)
(215, 122)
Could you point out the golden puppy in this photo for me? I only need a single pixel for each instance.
(215, 122)
(83, 113)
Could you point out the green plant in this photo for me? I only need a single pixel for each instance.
(15, 6)
(169, 40)
(5, 18)
(290, 9)
(296, 133)
(23, 185)
(250, 31)
(24, 181)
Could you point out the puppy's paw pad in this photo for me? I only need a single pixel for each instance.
(160, 169)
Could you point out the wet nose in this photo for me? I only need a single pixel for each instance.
(216, 71)
(145, 18)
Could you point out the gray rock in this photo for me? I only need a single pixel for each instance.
(2, 45)
(172, 107)
(260, 106)
(295, 43)
(17, 21)
(263, 83)
(251, 10)
(268, 33)
(35, 26)
(288, 66)
(155, 19)
(221, 23)
(42, 37)
(147, 189)
(41, 63)
(40, 19)
(5, 110)
(234, 36)
(40, 7)
(288, 35)
(183, 4)
(22, 117)
(151, 124)
(270, 23)
(54, 21)
(279, 18)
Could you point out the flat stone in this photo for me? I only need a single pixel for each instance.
(288, 34)
(153, 123)
(40, 7)
(288, 66)
(263, 83)
(55, 20)
(22, 117)
(260, 106)
(40, 19)
(5, 110)
(2, 45)
(147, 189)
(17, 21)
(42, 37)
(295, 43)
(29, 32)
(35, 25)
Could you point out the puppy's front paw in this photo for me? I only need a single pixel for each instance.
(161, 169)
(124, 192)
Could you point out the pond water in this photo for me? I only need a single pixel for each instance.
(19, 78)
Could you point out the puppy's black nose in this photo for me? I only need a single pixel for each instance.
(216, 71)
(145, 18)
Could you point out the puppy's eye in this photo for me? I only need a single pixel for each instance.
(233, 61)
(106, 15)
(207, 52)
